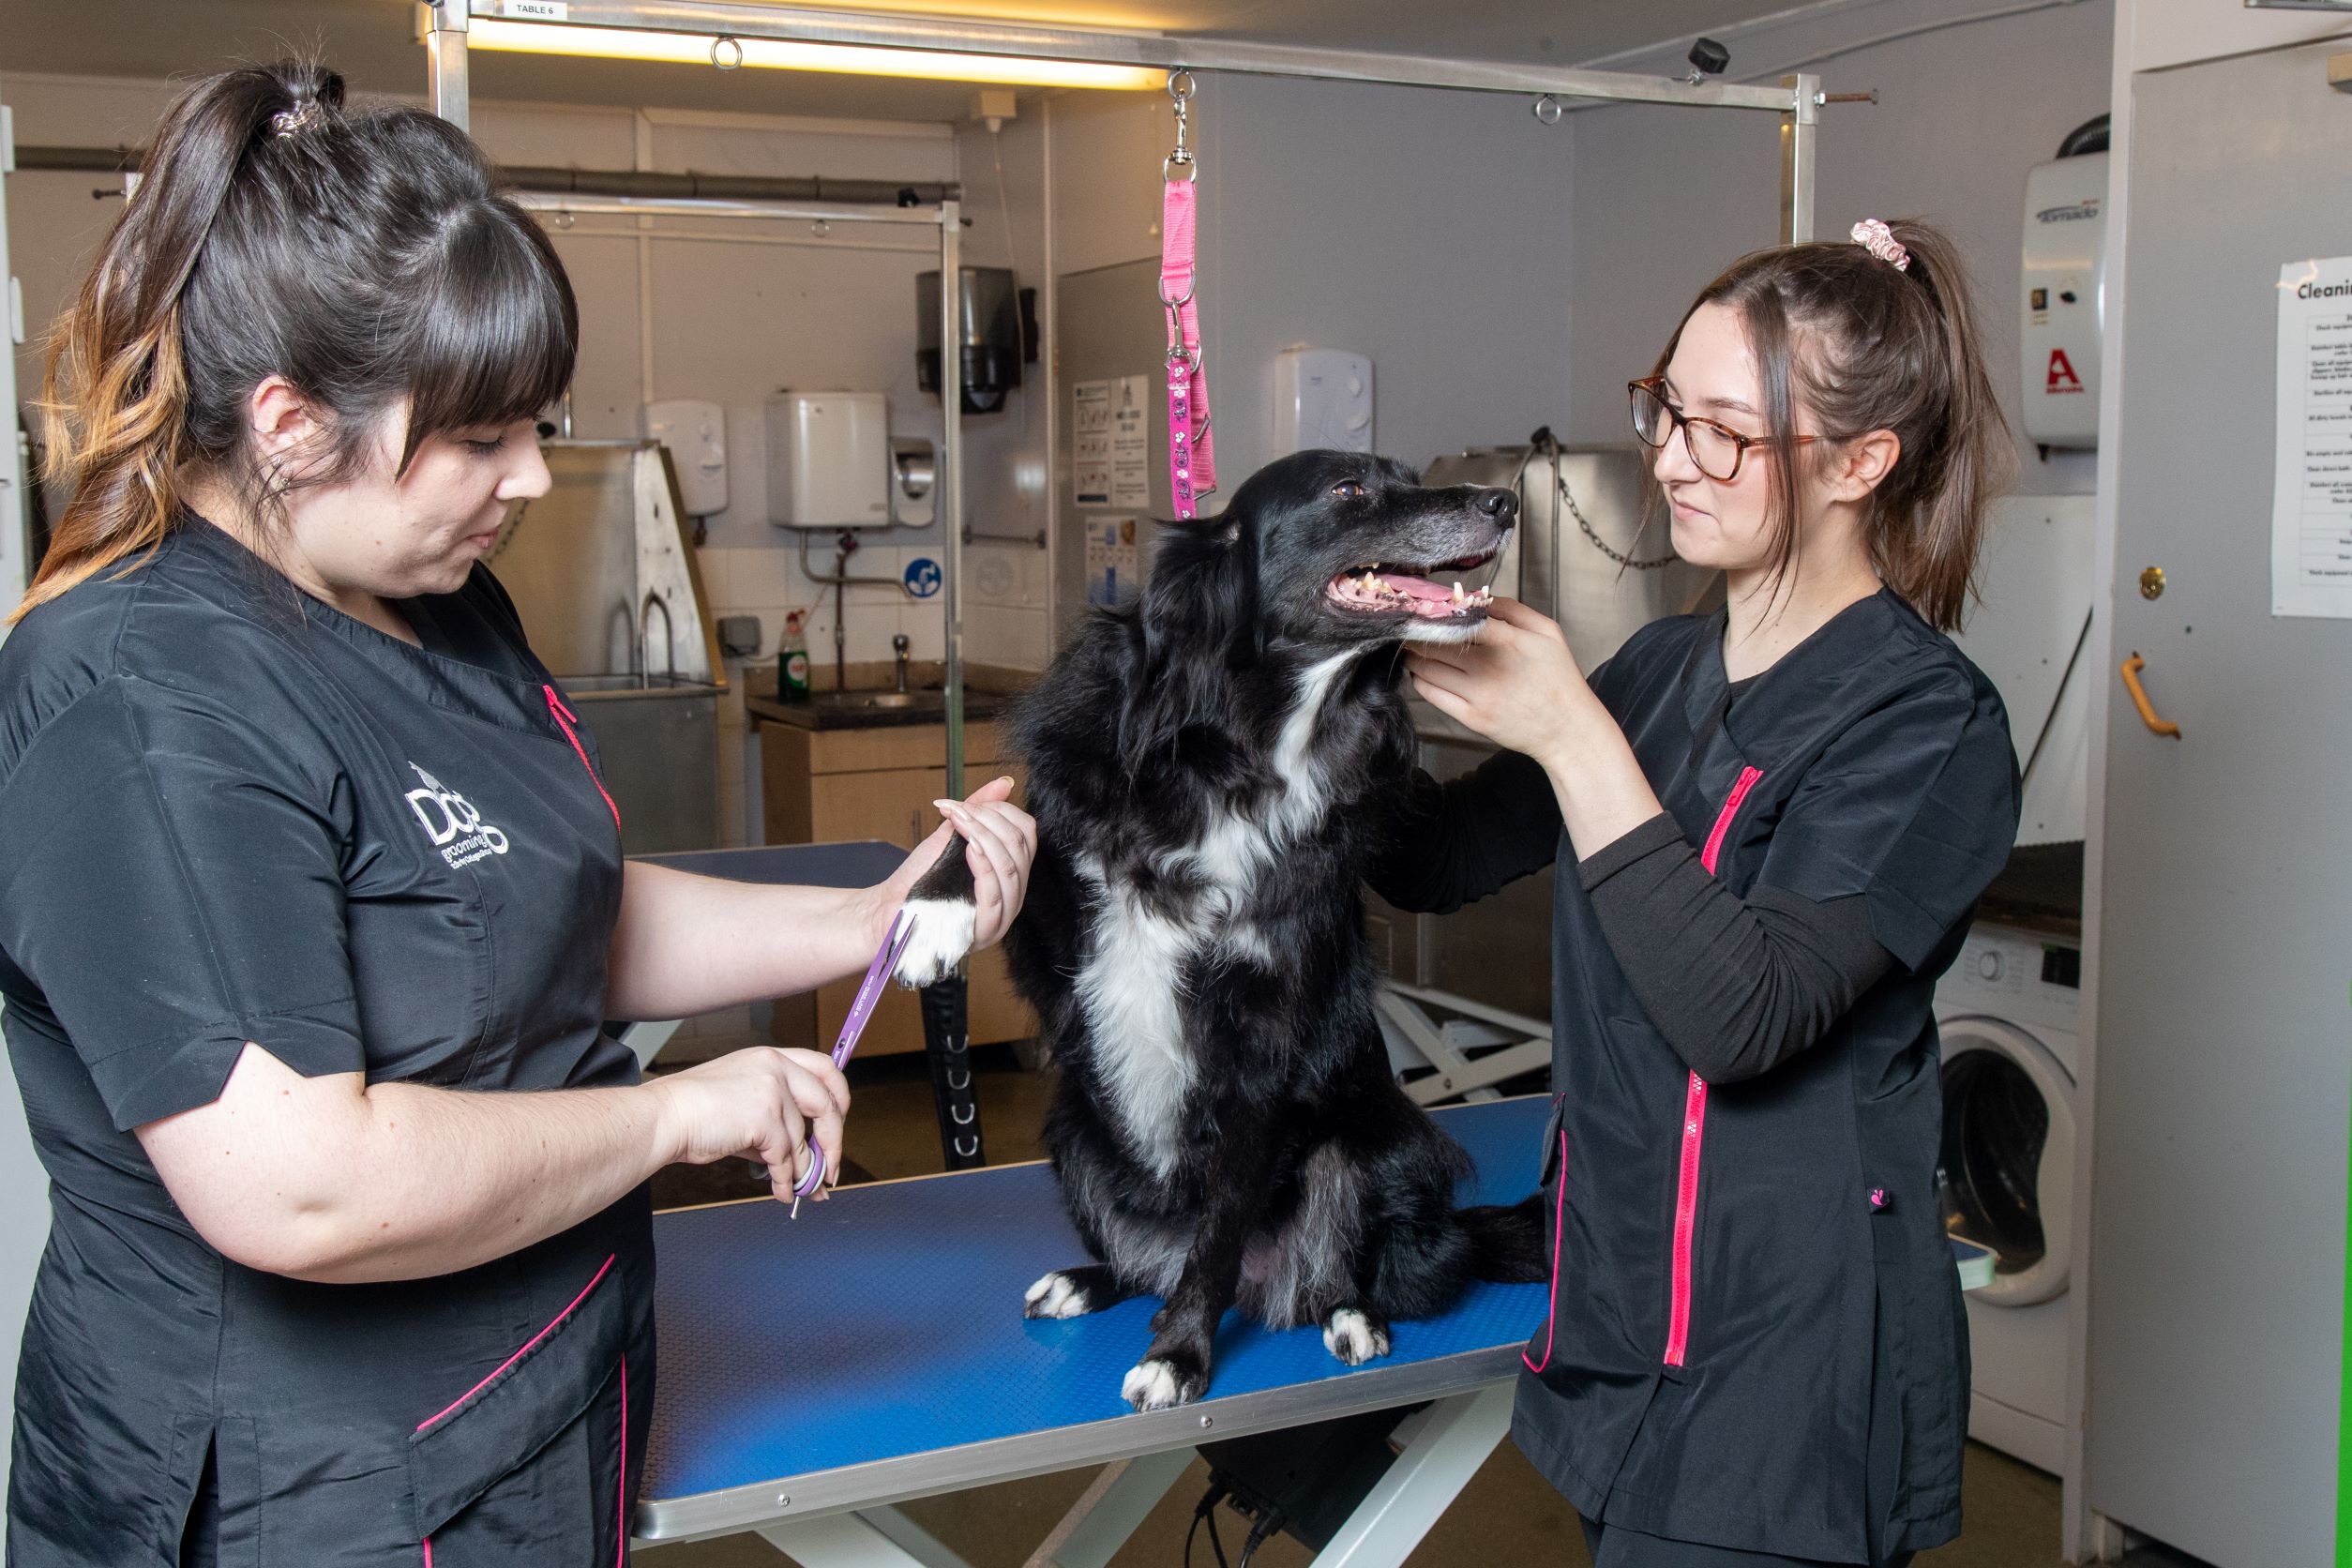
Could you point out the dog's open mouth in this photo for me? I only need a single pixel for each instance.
(1430, 593)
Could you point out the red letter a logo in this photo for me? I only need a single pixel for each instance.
(2063, 376)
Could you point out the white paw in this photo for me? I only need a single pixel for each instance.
(1351, 1337)
(1057, 1295)
(1152, 1385)
(941, 939)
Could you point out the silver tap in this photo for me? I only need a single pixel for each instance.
(669, 640)
(899, 646)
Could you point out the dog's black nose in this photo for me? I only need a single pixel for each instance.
(1501, 505)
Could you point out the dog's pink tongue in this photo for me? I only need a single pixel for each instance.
(1419, 587)
(1430, 601)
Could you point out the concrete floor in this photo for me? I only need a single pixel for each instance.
(1507, 1514)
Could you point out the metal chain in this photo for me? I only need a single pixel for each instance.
(1560, 482)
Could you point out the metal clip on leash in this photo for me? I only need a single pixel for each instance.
(1191, 454)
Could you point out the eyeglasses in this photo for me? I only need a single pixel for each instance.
(1715, 449)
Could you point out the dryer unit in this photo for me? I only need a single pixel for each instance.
(2007, 1012)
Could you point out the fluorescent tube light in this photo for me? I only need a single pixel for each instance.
(704, 49)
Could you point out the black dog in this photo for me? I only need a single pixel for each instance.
(1210, 770)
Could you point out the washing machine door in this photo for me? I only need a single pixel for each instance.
(2007, 1163)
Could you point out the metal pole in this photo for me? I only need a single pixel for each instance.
(951, 511)
(756, 19)
(1799, 130)
(685, 207)
(446, 61)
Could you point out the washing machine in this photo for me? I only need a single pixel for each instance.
(2007, 1012)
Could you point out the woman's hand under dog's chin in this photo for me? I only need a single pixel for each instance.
(1517, 683)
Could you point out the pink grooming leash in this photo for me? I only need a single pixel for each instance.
(861, 1011)
(1192, 460)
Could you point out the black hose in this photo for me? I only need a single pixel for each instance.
(2088, 137)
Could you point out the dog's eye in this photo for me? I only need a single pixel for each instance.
(1348, 488)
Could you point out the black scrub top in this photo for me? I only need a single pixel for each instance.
(1756, 1339)
(229, 812)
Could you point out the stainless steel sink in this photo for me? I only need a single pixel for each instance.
(658, 753)
(636, 685)
(893, 699)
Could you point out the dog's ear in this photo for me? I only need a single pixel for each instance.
(1199, 620)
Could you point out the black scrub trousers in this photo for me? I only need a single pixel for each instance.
(230, 813)
(1756, 1343)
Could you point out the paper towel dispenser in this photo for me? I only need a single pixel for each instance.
(988, 335)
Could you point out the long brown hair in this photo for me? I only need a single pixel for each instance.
(1866, 346)
(365, 258)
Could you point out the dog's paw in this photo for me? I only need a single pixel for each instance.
(941, 941)
(1354, 1337)
(1155, 1384)
(1059, 1294)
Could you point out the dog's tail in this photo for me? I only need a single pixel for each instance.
(1507, 1242)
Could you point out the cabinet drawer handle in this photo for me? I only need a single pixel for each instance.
(2131, 667)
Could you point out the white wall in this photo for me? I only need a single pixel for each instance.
(1666, 198)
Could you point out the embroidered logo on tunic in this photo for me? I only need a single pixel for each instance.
(451, 822)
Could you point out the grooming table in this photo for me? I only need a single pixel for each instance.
(859, 863)
(815, 1373)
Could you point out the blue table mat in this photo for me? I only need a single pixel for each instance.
(887, 1321)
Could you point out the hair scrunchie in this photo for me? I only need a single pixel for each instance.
(1873, 236)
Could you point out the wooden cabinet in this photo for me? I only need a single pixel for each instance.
(823, 786)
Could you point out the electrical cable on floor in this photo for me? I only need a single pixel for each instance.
(1207, 1511)
(1259, 1533)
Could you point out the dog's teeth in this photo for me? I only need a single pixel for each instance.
(1457, 591)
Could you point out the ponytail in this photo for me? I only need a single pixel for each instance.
(1867, 343)
(366, 260)
(1927, 523)
(116, 382)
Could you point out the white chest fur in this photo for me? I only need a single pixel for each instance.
(1130, 986)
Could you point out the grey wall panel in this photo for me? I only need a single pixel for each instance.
(1109, 327)
(1666, 198)
(2216, 1252)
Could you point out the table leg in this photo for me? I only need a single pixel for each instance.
(1453, 1437)
(880, 1537)
(1099, 1523)
(947, 1041)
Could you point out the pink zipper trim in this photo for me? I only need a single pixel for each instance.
(552, 1324)
(1740, 789)
(564, 719)
(1685, 1220)
(1695, 1122)
(1560, 1213)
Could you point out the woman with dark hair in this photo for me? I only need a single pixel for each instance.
(1770, 825)
(312, 904)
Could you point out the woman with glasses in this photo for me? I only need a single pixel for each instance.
(1772, 825)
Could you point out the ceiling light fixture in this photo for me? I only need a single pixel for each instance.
(706, 49)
